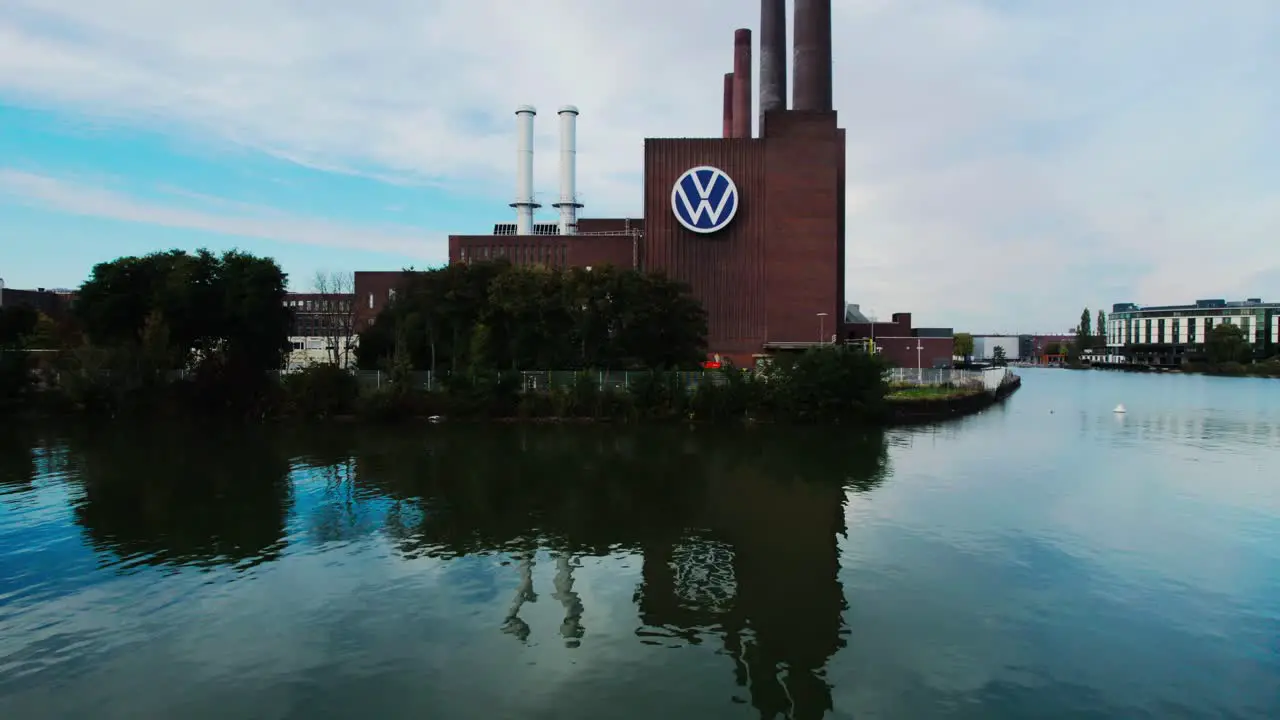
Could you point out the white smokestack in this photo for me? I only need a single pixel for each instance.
(568, 204)
(524, 203)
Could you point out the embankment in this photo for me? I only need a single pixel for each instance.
(913, 411)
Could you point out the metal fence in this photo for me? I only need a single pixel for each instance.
(542, 380)
(991, 378)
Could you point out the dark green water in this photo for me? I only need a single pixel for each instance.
(1045, 559)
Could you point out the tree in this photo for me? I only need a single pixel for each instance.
(1102, 324)
(1227, 343)
(223, 316)
(539, 318)
(1086, 327)
(337, 301)
(962, 346)
(998, 356)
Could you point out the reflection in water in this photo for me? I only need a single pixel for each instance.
(738, 534)
(182, 495)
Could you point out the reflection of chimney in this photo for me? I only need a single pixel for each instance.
(742, 83)
(571, 626)
(524, 593)
(728, 105)
(524, 203)
(812, 82)
(773, 57)
(568, 204)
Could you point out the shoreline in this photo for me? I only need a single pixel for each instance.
(898, 412)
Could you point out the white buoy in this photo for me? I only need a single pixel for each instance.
(1119, 409)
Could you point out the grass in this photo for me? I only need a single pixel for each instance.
(929, 392)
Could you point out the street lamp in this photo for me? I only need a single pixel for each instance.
(919, 362)
(822, 327)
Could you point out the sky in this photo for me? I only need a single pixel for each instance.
(1008, 162)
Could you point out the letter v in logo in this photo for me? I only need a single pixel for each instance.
(704, 199)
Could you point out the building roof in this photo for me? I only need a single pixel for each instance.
(1211, 304)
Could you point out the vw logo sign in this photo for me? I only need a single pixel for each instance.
(704, 199)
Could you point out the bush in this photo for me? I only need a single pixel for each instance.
(320, 391)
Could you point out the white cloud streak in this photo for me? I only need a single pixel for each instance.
(1008, 162)
(230, 218)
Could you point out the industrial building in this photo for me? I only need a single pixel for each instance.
(752, 220)
(1164, 334)
(900, 343)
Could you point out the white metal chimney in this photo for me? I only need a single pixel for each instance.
(568, 204)
(524, 203)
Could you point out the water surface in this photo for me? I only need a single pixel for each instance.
(1047, 558)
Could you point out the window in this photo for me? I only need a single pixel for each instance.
(1146, 334)
(1244, 328)
(370, 303)
(1191, 330)
(1177, 331)
(1160, 330)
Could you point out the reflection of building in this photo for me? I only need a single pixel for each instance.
(1163, 334)
(903, 345)
(765, 572)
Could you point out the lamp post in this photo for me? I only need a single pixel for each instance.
(822, 327)
(919, 362)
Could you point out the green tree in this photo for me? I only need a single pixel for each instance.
(998, 355)
(222, 316)
(538, 318)
(1086, 324)
(1102, 324)
(1227, 343)
(962, 345)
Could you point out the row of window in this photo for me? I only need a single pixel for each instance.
(551, 255)
(319, 305)
(1161, 331)
(1198, 312)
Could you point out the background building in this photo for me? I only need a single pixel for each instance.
(54, 302)
(1016, 347)
(1166, 334)
(901, 344)
(321, 323)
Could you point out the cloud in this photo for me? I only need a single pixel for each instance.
(225, 217)
(1008, 162)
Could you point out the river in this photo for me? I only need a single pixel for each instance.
(1046, 558)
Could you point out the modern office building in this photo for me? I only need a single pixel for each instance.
(1166, 334)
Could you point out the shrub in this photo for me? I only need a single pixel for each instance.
(320, 391)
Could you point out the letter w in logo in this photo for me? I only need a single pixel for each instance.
(704, 199)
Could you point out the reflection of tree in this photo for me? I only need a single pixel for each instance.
(17, 461)
(182, 494)
(738, 529)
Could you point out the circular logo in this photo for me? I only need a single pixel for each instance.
(704, 199)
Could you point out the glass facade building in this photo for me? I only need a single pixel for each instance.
(1165, 334)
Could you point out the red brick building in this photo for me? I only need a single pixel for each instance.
(905, 346)
(753, 222)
